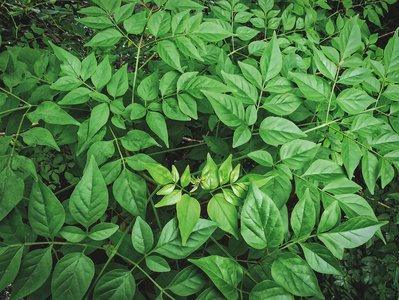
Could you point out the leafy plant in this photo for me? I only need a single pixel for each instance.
(197, 149)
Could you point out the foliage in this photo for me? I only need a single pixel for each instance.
(228, 149)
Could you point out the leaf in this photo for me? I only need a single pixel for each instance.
(71, 64)
(77, 96)
(159, 23)
(387, 172)
(292, 272)
(169, 54)
(105, 38)
(297, 153)
(224, 214)
(25, 165)
(11, 191)
(188, 213)
(46, 213)
(225, 170)
(35, 269)
(98, 118)
(102, 231)
(89, 199)
(158, 172)
(73, 234)
(246, 92)
(51, 113)
(261, 222)
(225, 273)
(271, 61)
(187, 48)
(354, 101)
(157, 264)
(148, 88)
(129, 190)
(187, 105)
(324, 171)
(282, 104)
(115, 284)
(276, 131)
(170, 244)
(96, 22)
(102, 75)
(261, 157)
(303, 216)
(211, 32)
(325, 66)
(370, 170)
(342, 186)
(354, 76)
(266, 5)
(209, 174)
(321, 259)
(228, 109)
(241, 136)
(39, 136)
(251, 74)
(172, 111)
(365, 125)
(10, 261)
(187, 282)
(157, 124)
(268, 289)
(391, 54)
(136, 140)
(119, 83)
(170, 199)
(354, 205)
(330, 217)
(72, 276)
(313, 87)
(142, 237)
(135, 24)
(351, 155)
(123, 12)
(350, 38)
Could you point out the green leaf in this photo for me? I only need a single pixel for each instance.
(225, 170)
(105, 38)
(172, 111)
(188, 213)
(137, 111)
(72, 276)
(89, 200)
(365, 125)
(261, 157)
(266, 5)
(136, 140)
(119, 83)
(35, 269)
(169, 54)
(102, 75)
(39, 136)
(342, 186)
(187, 48)
(351, 155)
(98, 118)
(261, 222)
(370, 170)
(157, 264)
(96, 22)
(114, 285)
(25, 165)
(271, 61)
(354, 101)
(148, 88)
(158, 172)
(170, 244)
(324, 171)
(212, 32)
(387, 172)
(187, 105)
(303, 216)
(136, 23)
(182, 5)
(123, 12)
(268, 289)
(228, 109)
(294, 274)
(77, 96)
(276, 131)
(225, 273)
(102, 231)
(51, 113)
(325, 66)
(71, 65)
(297, 153)
(241, 136)
(210, 174)
(187, 282)
(313, 87)
(391, 54)
(73, 234)
(321, 259)
(246, 92)
(330, 217)
(157, 124)
(129, 190)
(142, 237)
(159, 23)
(224, 214)
(354, 205)
(46, 213)
(251, 74)
(170, 199)
(354, 76)
(350, 38)
(11, 191)
(10, 261)
(282, 104)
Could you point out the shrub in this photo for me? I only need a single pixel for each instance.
(194, 148)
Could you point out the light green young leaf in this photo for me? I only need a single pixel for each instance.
(276, 131)
(71, 65)
(105, 38)
(89, 66)
(157, 264)
(136, 140)
(142, 237)
(330, 217)
(224, 214)
(100, 22)
(282, 104)
(354, 76)
(342, 186)
(136, 23)
(77, 96)
(51, 113)
(386, 172)
(148, 88)
(325, 66)
(102, 75)
(98, 118)
(251, 74)
(188, 213)
(391, 54)
(114, 285)
(246, 92)
(188, 105)
(225, 170)
(172, 110)
(241, 136)
(157, 124)
(303, 217)
(159, 23)
(350, 38)
(187, 48)
(158, 172)
(73, 234)
(170, 199)
(102, 231)
(212, 32)
(39, 136)
(168, 52)
(210, 175)
(261, 157)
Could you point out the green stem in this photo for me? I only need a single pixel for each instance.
(118, 147)
(136, 67)
(17, 135)
(153, 206)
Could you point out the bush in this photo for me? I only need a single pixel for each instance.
(198, 149)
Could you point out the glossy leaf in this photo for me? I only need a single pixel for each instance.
(276, 131)
(268, 289)
(188, 213)
(321, 259)
(224, 214)
(303, 217)
(115, 284)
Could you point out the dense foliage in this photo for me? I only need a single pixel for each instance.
(198, 149)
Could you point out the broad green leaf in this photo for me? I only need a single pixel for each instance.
(102, 151)
(11, 191)
(209, 174)
(40, 136)
(354, 205)
(105, 38)
(271, 61)
(354, 76)
(115, 285)
(158, 172)
(100, 22)
(102, 231)
(148, 88)
(188, 213)
(251, 74)
(102, 75)
(169, 54)
(276, 131)
(387, 172)
(330, 217)
(351, 155)
(137, 111)
(182, 5)
(77, 96)
(295, 275)
(136, 23)
(354, 101)
(66, 83)
(119, 83)
(187, 48)
(129, 190)
(170, 199)
(266, 5)
(51, 113)
(313, 87)
(342, 186)
(261, 222)
(170, 245)
(168, 83)
(98, 118)
(268, 289)
(370, 170)
(386, 141)
(391, 54)
(365, 125)
(109, 6)
(136, 140)
(124, 12)
(172, 110)
(224, 214)
(325, 66)
(157, 264)
(187, 282)
(282, 104)
(225, 170)
(10, 261)
(188, 105)
(321, 259)
(46, 213)
(142, 237)
(89, 199)
(324, 171)
(157, 124)
(350, 38)
(278, 187)
(72, 276)
(25, 165)
(303, 216)
(246, 92)
(297, 153)
(241, 136)
(35, 269)
(261, 157)
(212, 32)
(159, 23)
(225, 273)
(71, 65)
(73, 234)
